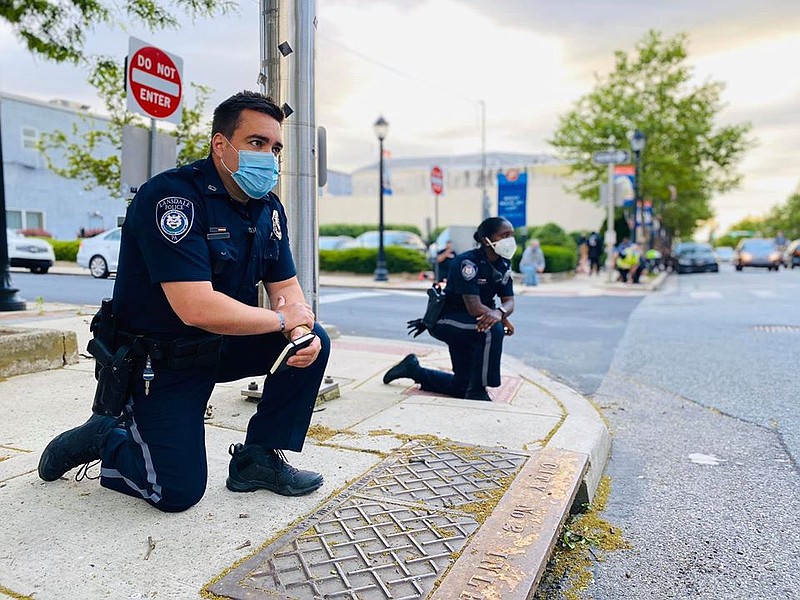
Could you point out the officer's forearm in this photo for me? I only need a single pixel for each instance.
(198, 305)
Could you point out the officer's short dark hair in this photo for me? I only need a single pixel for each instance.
(228, 114)
(489, 227)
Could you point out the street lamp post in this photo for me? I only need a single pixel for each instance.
(381, 128)
(638, 140)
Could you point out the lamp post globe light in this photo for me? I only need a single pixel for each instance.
(638, 141)
(381, 128)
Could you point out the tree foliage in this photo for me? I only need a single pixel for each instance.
(93, 155)
(651, 90)
(783, 217)
(57, 29)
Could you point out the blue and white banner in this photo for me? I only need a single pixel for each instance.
(512, 197)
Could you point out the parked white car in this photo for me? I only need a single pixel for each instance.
(100, 254)
(29, 253)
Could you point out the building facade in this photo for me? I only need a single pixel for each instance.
(36, 197)
(412, 202)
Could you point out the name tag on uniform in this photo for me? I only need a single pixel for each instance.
(218, 233)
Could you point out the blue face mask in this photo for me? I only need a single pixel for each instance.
(257, 174)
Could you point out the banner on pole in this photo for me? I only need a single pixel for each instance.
(512, 197)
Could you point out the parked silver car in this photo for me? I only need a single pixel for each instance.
(29, 253)
(100, 254)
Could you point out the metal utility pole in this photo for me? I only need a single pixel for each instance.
(484, 177)
(610, 158)
(288, 29)
(8, 295)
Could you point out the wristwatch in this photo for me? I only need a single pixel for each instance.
(503, 311)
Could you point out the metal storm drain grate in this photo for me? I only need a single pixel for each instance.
(389, 535)
(449, 476)
(777, 328)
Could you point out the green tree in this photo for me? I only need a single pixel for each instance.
(56, 29)
(784, 217)
(93, 156)
(650, 90)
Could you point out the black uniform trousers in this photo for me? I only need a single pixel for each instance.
(159, 452)
(475, 356)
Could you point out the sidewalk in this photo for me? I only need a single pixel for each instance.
(421, 492)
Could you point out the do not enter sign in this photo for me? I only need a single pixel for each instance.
(437, 180)
(154, 82)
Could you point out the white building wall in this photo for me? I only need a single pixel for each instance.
(412, 202)
(31, 186)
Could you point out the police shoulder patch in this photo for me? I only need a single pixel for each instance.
(468, 269)
(174, 217)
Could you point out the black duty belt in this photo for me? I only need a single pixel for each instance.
(180, 353)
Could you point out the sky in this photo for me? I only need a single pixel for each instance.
(428, 65)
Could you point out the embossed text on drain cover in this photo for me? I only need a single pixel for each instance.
(389, 535)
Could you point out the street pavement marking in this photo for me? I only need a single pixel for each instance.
(344, 297)
(763, 293)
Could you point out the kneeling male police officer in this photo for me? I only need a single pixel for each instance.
(195, 243)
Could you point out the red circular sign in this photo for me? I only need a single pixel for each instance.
(437, 180)
(155, 82)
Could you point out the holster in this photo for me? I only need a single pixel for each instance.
(114, 365)
(114, 373)
(435, 305)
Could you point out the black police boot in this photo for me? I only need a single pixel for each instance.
(478, 393)
(407, 367)
(75, 447)
(253, 467)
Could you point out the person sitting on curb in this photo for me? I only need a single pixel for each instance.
(630, 263)
(471, 324)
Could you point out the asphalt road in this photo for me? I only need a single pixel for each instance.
(702, 402)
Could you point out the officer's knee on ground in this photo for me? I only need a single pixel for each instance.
(179, 499)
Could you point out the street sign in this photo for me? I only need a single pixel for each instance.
(154, 85)
(437, 180)
(605, 157)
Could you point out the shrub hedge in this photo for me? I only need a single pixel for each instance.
(356, 230)
(363, 260)
(65, 249)
(557, 259)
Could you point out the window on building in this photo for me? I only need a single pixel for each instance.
(14, 219)
(30, 136)
(34, 219)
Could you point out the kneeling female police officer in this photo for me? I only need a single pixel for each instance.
(471, 324)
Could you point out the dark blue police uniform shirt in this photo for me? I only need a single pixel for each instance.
(472, 273)
(183, 226)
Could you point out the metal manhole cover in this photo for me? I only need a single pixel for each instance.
(388, 535)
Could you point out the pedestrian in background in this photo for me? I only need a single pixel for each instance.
(532, 263)
(583, 254)
(443, 260)
(594, 246)
(471, 323)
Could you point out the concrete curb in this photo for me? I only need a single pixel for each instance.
(582, 429)
(25, 351)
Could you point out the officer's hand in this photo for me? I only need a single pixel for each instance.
(307, 355)
(295, 313)
(487, 319)
(508, 327)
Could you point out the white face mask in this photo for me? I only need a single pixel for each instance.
(505, 247)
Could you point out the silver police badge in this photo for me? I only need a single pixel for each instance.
(174, 217)
(468, 270)
(276, 225)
